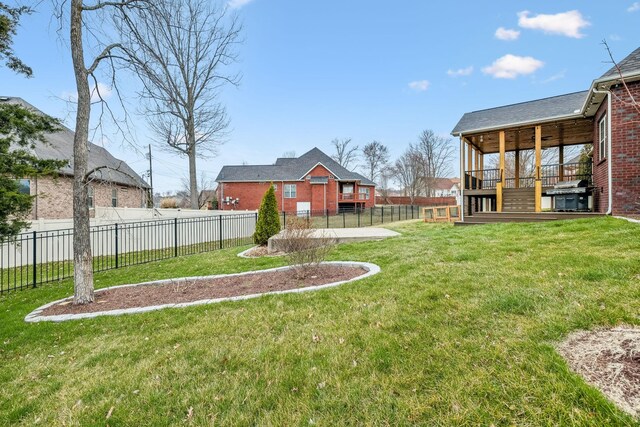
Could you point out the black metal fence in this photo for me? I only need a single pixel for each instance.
(39, 257)
(357, 217)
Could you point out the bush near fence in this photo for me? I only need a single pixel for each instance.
(39, 257)
(417, 201)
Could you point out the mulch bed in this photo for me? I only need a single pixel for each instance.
(189, 290)
(609, 359)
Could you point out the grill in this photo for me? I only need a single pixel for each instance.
(571, 196)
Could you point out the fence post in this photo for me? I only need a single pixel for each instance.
(284, 219)
(175, 237)
(371, 214)
(392, 214)
(344, 223)
(327, 213)
(220, 236)
(116, 231)
(358, 217)
(383, 214)
(406, 208)
(35, 252)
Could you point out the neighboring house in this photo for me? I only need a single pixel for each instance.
(607, 116)
(444, 187)
(113, 182)
(311, 182)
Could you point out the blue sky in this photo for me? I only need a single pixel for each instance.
(385, 70)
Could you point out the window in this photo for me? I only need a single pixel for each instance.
(275, 187)
(24, 186)
(290, 191)
(602, 138)
(364, 193)
(114, 197)
(90, 196)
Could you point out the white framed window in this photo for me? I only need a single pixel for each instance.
(364, 192)
(275, 187)
(114, 197)
(90, 196)
(290, 191)
(602, 138)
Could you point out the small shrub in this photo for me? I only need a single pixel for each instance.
(268, 218)
(303, 251)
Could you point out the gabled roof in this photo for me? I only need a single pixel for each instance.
(289, 169)
(540, 110)
(572, 105)
(59, 146)
(628, 66)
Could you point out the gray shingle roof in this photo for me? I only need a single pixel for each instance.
(628, 66)
(59, 146)
(293, 169)
(522, 113)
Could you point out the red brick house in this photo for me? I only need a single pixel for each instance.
(606, 116)
(312, 182)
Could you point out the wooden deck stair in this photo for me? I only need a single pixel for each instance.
(518, 200)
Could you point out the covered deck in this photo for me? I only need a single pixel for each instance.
(513, 141)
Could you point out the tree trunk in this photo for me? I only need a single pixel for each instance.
(193, 181)
(82, 258)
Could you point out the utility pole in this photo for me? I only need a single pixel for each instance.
(151, 177)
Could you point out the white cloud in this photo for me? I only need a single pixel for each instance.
(419, 85)
(512, 66)
(460, 72)
(237, 4)
(634, 7)
(507, 34)
(101, 90)
(567, 23)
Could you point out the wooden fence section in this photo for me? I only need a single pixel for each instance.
(417, 201)
(441, 213)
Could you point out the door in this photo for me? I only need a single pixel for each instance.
(303, 208)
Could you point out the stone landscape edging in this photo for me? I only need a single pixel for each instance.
(35, 315)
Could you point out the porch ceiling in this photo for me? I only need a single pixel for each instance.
(554, 134)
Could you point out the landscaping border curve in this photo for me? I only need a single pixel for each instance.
(36, 316)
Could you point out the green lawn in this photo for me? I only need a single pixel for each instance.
(457, 329)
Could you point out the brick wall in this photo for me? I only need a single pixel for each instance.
(321, 196)
(625, 155)
(625, 138)
(54, 197)
(600, 172)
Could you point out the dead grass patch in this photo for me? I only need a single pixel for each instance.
(608, 359)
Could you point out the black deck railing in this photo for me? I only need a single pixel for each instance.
(485, 179)
(38, 257)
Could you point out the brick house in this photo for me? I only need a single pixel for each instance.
(311, 182)
(607, 116)
(113, 182)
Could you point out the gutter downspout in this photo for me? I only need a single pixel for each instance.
(609, 158)
(462, 178)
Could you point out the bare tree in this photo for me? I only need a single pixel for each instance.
(408, 172)
(88, 37)
(345, 154)
(632, 101)
(436, 154)
(181, 50)
(375, 157)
